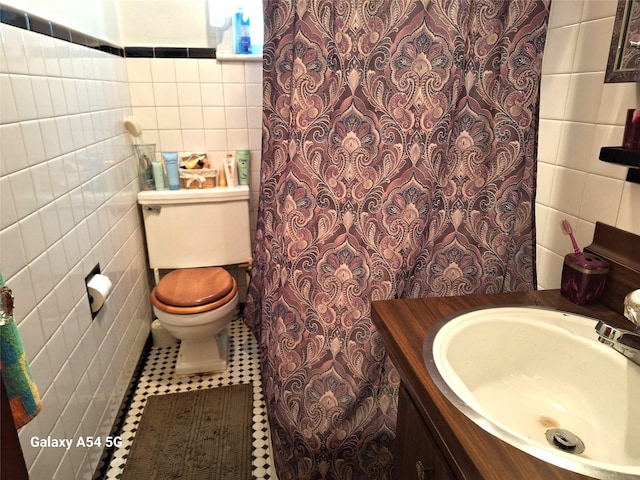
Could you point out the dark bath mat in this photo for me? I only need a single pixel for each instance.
(198, 435)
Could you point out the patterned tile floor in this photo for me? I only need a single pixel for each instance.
(157, 378)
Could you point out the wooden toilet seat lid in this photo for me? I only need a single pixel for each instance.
(192, 287)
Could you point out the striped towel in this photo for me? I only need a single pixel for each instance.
(16, 375)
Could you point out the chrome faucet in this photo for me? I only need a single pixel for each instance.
(621, 340)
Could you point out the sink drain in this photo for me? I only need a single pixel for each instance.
(565, 440)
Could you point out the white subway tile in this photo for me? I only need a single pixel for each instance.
(191, 118)
(58, 261)
(32, 236)
(76, 53)
(63, 53)
(147, 118)
(78, 125)
(187, 70)
(84, 103)
(210, 71)
(194, 140)
(565, 12)
(66, 301)
(592, 52)
(560, 49)
(575, 145)
(24, 194)
(583, 99)
(22, 287)
(34, 54)
(42, 184)
(8, 109)
(8, 213)
(23, 96)
(233, 72)
(41, 276)
(553, 96)
(50, 138)
(138, 70)
(235, 95)
(254, 96)
(77, 205)
(165, 94)
(163, 70)
(236, 117)
(168, 118)
(65, 213)
(616, 98)
(212, 94)
(12, 148)
(42, 96)
(189, 94)
(14, 51)
(58, 99)
(50, 225)
(50, 56)
(31, 334)
(50, 314)
(544, 183)
(34, 146)
(142, 94)
(215, 140)
(214, 117)
(170, 141)
(237, 139)
(12, 254)
(253, 72)
(594, 9)
(254, 118)
(71, 248)
(567, 191)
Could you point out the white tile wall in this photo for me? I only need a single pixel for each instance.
(579, 113)
(67, 193)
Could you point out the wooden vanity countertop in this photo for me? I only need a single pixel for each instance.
(472, 452)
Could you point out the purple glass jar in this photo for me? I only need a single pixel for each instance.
(583, 278)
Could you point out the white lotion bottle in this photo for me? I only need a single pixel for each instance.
(230, 170)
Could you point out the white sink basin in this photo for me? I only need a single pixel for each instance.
(537, 377)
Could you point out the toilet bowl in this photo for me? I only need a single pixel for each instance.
(195, 305)
(193, 233)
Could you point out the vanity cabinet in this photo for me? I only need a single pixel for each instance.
(417, 455)
(431, 432)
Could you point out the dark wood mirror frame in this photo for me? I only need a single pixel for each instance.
(614, 73)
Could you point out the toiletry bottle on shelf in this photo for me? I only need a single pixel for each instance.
(158, 174)
(222, 177)
(242, 32)
(145, 154)
(173, 171)
(229, 164)
(242, 160)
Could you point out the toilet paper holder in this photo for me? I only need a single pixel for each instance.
(98, 288)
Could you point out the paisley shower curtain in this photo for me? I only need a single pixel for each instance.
(399, 151)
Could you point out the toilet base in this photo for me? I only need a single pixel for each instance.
(207, 356)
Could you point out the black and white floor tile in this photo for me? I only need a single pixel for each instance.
(157, 377)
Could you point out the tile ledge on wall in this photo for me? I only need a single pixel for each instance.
(233, 57)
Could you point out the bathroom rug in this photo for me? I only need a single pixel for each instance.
(201, 434)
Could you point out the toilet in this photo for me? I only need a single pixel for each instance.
(194, 233)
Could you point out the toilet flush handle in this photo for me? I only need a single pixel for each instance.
(152, 208)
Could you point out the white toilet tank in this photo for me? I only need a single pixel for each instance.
(196, 227)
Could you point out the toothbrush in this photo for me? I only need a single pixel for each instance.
(567, 230)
